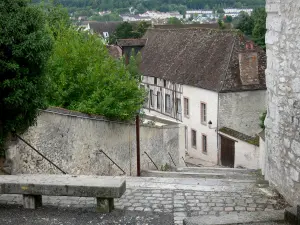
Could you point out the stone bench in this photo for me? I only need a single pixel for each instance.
(33, 186)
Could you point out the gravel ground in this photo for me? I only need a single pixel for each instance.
(15, 215)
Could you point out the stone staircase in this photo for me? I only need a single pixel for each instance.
(226, 180)
(210, 173)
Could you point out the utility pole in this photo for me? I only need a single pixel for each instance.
(138, 157)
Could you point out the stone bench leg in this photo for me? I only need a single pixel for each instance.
(32, 201)
(105, 205)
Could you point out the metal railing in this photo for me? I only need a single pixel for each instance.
(114, 163)
(172, 159)
(151, 160)
(184, 161)
(37, 151)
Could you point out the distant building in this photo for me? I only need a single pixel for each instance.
(236, 12)
(104, 29)
(134, 18)
(211, 14)
(151, 15)
(104, 13)
(82, 18)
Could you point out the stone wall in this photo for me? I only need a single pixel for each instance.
(240, 111)
(283, 83)
(73, 143)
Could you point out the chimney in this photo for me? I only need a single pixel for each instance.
(127, 45)
(248, 62)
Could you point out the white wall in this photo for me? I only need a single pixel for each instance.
(246, 155)
(196, 96)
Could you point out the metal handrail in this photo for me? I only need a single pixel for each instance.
(151, 160)
(114, 163)
(52, 163)
(172, 159)
(184, 161)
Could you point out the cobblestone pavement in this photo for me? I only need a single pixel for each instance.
(181, 202)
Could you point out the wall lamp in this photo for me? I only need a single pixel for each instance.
(210, 125)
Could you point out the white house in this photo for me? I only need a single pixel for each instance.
(213, 82)
(103, 29)
(134, 18)
(236, 12)
(212, 14)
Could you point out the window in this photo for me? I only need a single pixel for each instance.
(158, 100)
(194, 139)
(105, 35)
(165, 83)
(151, 98)
(204, 143)
(178, 105)
(186, 137)
(168, 104)
(155, 80)
(186, 107)
(203, 113)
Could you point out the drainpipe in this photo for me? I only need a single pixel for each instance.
(218, 139)
(138, 157)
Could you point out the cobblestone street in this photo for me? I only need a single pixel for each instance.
(180, 197)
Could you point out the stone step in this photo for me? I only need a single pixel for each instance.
(196, 184)
(216, 170)
(270, 217)
(205, 174)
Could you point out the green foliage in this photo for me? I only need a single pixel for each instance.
(244, 22)
(25, 46)
(83, 77)
(165, 167)
(259, 29)
(161, 5)
(128, 30)
(221, 24)
(228, 19)
(262, 119)
(253, 26)
(174, 21)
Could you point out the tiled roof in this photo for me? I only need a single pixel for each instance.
(198, 57)
(240, 136)
(131, 42)
(100, 27)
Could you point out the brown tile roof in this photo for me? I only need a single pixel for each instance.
(240, 136)
(193, 25)
(115, 51)
(197, 57)
(131, 42)
(100, 27)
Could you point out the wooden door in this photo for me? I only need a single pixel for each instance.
(227, 152)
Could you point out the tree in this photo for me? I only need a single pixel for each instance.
(228, 19)
(259, 30)
(25, 46)
(128, 30)
(244, 22)
(92, 81)
(221, 24)
(253, 26)
(123, 31)
(174, 21)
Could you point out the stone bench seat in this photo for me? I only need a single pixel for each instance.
(33, 186)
